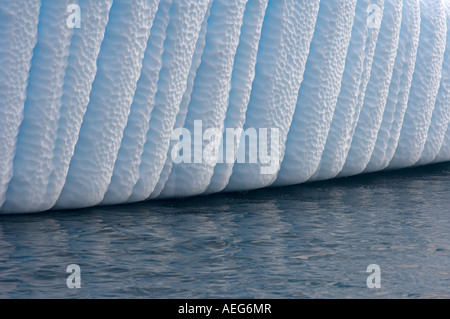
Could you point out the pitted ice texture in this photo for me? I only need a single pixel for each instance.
(88, 111)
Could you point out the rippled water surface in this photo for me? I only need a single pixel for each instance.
(313, 240)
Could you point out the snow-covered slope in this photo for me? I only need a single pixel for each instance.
(165, 98)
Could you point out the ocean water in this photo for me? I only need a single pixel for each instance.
(307, 241)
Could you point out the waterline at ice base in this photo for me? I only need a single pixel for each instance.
(117, 101)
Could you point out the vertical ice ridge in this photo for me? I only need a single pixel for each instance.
(126, 167)
(441, 114)
(354, 83)
(80, 74)
(119, 64)
(241, 83)
(209, 99)
(182, 35)
(377, 90)
(18, 36)
(425, 84)
(37, 134)
(286, 36)
(181, 116)
(318, 93)
(444, 153)
(399, 89)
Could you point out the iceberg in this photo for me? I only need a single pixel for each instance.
(116, 101)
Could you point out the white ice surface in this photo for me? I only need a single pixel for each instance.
(286, 36)
(18, 36)
(397, 100)
(38, 130)
(356, 76)
(241, 85)
(375, 98)
(210, 95)
(80, 73)
(441, 114)
(181, 116)
(87, 114)
(119, 66)
(319, 92)
(425, 84)
(126, 167)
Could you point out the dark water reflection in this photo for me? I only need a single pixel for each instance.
(313, 240)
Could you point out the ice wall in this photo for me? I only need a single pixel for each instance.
(135, 100)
